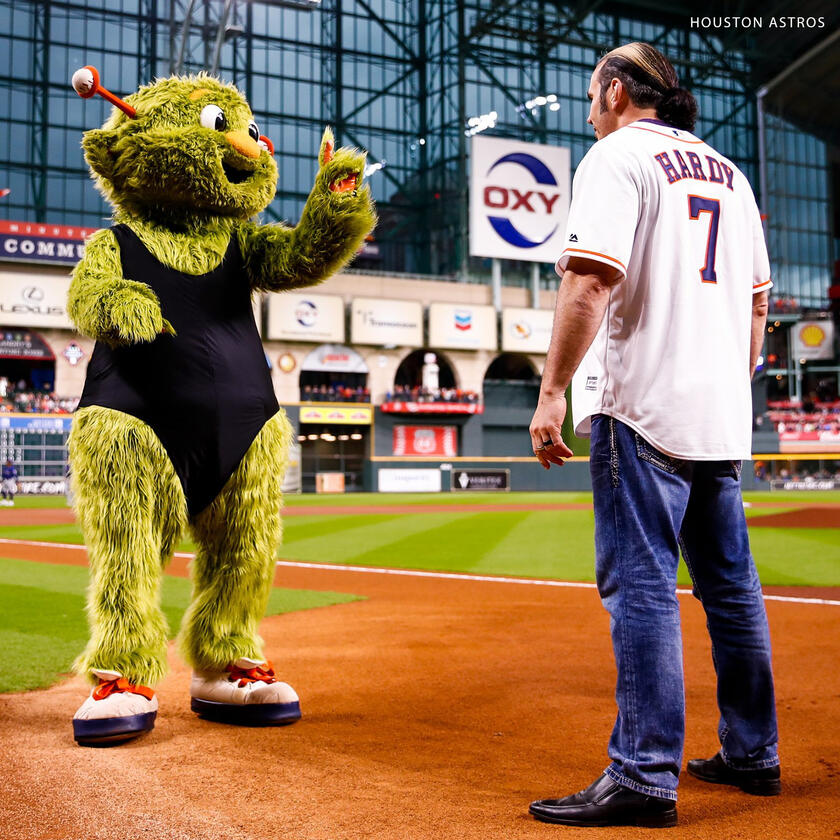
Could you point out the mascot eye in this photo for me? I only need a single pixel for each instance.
(253, 130)
(212, 116)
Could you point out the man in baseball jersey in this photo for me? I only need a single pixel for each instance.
(659, 322)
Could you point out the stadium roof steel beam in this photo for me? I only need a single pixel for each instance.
(147, 42)
(40, 108)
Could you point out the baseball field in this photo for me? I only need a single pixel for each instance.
(453, 662)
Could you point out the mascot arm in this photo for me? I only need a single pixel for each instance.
(336, 218)
(105, 305)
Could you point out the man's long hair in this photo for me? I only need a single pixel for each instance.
(650, 81)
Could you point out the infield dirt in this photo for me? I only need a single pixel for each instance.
(433, 709)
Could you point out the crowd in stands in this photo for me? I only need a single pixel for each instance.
(22, 398)
(808, 416)
(334, 393)
(782, 305)
(793, 470)
(417, 394)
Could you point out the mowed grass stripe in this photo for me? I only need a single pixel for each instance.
(545, 544)
(797, 556)
(361, 535)
(457, 543)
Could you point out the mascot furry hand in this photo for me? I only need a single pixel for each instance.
(178, 424)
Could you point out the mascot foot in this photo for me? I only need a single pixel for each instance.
(247, 694)
(115, 711)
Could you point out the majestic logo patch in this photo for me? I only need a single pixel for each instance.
(573, 238)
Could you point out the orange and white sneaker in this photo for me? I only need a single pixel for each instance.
(246, 693)
(115, 711)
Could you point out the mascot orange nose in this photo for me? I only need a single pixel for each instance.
(243, 143)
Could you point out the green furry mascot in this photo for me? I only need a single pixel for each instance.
(178, 425)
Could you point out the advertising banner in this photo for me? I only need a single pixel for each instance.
(432, 408)
(426, 440)
(24, 344)
(306, 317)
(480, 480)
(57, 423)
(351, 416)
(467, 327)
(334, 358)
(42, 243)
(526, 330)
(519, 199)
(31, 299)
(813, 340)
(379, 321)
(805, 484)
(409, 481)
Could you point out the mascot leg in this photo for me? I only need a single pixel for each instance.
(132, 510)
(237, 537)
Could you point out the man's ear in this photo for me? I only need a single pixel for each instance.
(98, 147)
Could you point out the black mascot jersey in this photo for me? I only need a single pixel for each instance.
(206, 391)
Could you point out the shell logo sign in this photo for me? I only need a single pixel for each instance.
(812, 335)
(813, 340)
(519, 199)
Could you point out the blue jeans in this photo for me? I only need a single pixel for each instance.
(648, 506)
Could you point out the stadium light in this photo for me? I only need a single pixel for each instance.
(355, 436)
(533, 105)
(475, 125)
(374, 167)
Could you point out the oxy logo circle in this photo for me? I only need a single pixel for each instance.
(537, 201)
(306, 313)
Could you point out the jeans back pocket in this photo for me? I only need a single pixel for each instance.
(658, 459)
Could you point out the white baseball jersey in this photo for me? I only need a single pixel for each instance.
(671, 357)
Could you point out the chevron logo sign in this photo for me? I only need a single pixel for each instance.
(463, 319)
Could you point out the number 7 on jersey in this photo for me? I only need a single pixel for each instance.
(697, 204)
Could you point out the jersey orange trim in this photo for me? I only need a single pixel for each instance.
(596, 254)
(762, 285)
(663, 134)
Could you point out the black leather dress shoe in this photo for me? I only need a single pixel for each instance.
(605, 802)
(763, 782)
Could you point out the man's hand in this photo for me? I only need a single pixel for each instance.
(546, 432)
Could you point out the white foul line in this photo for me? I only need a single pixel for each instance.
(373, 570)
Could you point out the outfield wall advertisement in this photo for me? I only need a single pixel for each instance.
(409, 481)
(30, 299)
(382, 321)
(458, 327)
(306, 317)
(526, 330)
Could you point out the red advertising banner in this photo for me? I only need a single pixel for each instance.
(426, 440)
(42, 243)
(432, 408)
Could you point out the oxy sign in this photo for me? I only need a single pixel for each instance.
(519, 199)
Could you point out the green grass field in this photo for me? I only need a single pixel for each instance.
(41, 606)
(43, 625)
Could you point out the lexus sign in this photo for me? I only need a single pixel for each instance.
(519, 199)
